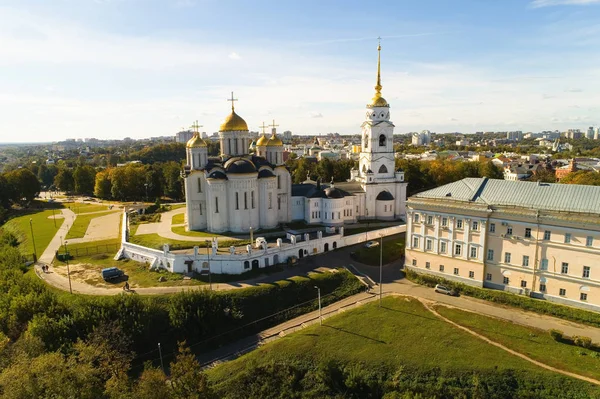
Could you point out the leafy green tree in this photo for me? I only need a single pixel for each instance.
(24, 185)
(84, 179)
(187, 379)
(586, 177)
(173, 186)
(103, 185)
(64, 180)
(152, 384)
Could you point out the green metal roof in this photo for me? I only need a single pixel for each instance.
(543, 196)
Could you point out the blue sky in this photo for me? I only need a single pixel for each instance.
(140, 68)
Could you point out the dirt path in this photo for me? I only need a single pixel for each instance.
(427, 305)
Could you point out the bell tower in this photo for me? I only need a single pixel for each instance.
(377, 155)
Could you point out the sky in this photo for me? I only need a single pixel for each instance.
(143, 68)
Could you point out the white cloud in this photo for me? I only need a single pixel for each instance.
(316, 115)
(548, 3)
(234, 56)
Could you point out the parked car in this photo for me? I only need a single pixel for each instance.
(371, 244)
(112, 273)
(444, 290)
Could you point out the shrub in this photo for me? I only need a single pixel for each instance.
(584, 342)
(556, 335)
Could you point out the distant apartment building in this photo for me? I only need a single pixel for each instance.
(529, 238)
(574, 134)
(287, 137)
(597, 133)
(184, 136)
(590, 133)
(422, 138)
(463, 142)
(516, 135)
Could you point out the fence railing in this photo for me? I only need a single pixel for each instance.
(94, 250)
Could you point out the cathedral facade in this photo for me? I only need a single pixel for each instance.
(238, 190)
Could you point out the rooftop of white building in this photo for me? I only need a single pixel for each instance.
(533, 195)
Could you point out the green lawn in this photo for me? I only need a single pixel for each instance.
(402, 335)
(392, 250)
(79, 207)
(537, 344)
(43, 229)
(178, 219)
(81, 224)
(155, 241)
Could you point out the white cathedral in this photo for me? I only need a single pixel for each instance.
(238, 190)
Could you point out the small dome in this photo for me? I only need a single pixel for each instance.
(378, 101)
(238, 165)
(385, 196)
(275, 141)
(262, 141)
(233, 123)
(195, 141)
(332, 192)
(217, 174)
(265, 173)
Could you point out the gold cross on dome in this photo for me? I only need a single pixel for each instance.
(274, 125)
(195, 126)
(379, 40)
(263, 127)
(232, 100)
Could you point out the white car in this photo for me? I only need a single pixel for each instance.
(444, 290)
(371, 244)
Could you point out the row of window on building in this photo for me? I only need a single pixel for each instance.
(509, 230)
(444, 247)
(505, 280)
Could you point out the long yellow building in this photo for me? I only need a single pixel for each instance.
(536, 239)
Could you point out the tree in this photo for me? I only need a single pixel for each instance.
(102, 185)
(152, 384)
(173, 187)
(586, 177)
(24, 185)
(187, 379)
(84, 179)
(64, 180)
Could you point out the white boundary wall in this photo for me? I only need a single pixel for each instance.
(220, 263)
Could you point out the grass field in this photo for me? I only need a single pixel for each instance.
(537, 344)
(181, 230)
(43, 229)
(178, 219)
(392, 250)
(82, 222)
(79, 207)
(402, 335)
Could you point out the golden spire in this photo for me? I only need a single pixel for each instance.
(233, 122)
(378, 101)
(263, 127)
(378, 85)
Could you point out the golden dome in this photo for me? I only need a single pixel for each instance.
(233, 122)
(378, 101)
(195, 141)
(262, 141)
(275, 141)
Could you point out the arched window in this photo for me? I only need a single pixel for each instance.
(366, 141)
(382, 140)
(364, 170)
(383, 169)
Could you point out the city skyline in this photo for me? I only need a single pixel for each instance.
(126, 68)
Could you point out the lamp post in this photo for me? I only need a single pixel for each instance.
(146, 185)
(53, 217)
(320, 314)
(380, 268)
(33, 240)
(208, 255)
(251, 236)
(68, 271)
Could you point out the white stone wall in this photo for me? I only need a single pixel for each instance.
(236, 264)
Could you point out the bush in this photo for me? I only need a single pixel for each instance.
(556, 335)
(584, 342)
(506, 298)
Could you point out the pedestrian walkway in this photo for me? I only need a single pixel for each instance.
(59, 237)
